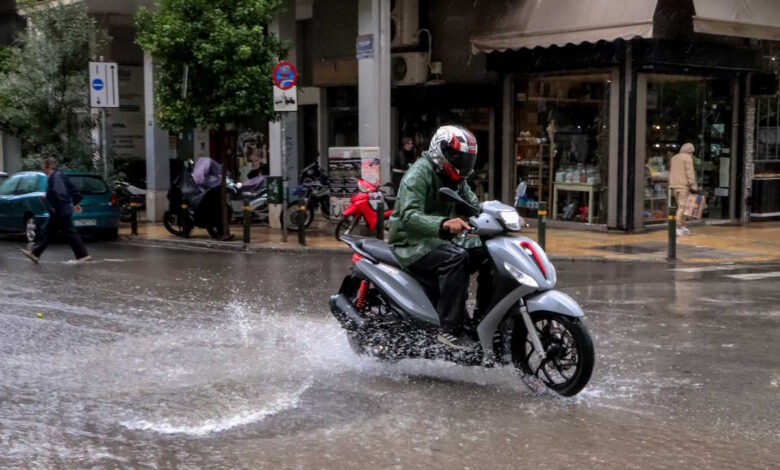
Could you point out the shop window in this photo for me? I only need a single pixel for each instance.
(562, 146)
(766, 179)
(687, 109)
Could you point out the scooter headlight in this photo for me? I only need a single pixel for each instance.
(520, 276)
(511, 219)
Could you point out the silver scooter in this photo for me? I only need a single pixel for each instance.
(527, 324)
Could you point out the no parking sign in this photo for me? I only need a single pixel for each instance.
(285, 78)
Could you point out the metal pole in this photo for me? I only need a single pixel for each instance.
(133, 218)
(380, 220)
(672, 228)
(542, 219)
(247, 222)
(284, 181)
(103, 143)
(301, 216)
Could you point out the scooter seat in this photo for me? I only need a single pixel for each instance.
(379, 250)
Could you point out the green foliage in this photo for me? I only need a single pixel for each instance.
(228, 54)
(44, 85)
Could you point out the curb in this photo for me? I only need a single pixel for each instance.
(232, 246)
(240, 247)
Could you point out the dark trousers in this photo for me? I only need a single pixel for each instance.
(444, 274)
(62, 224)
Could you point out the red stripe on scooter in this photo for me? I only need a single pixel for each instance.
(536, 257)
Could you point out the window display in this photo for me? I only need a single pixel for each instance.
(562, 146)
(682, 109)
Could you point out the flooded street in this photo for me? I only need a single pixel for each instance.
(157, 358)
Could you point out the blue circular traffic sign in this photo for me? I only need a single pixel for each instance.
(97, 84)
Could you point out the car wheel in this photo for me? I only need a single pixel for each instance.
(30, 228)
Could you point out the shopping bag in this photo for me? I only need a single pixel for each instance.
(694, 206)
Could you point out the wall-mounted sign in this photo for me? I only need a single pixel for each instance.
(365, 46)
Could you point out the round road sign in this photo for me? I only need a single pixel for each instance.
(97, 84)
(285, 75)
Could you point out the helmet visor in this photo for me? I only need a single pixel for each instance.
(462, 161)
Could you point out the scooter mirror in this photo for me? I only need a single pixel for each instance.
(448, 193)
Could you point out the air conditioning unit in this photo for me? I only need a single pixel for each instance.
(404, 22)
(409, 68)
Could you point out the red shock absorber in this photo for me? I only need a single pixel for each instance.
(360, 301)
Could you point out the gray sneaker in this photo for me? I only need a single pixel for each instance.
(453, 342)
(83, 260)
(30, 255)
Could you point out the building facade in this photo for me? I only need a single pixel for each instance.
(583, 102)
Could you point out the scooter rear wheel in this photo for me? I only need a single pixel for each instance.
(568, 347)
(177, 224)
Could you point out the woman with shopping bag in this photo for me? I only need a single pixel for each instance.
(682, 183)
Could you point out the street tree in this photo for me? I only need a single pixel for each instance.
(44, 93)
(213, 64)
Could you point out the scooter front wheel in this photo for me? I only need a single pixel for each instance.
(345, 226)
(568, 352)
(292, 217)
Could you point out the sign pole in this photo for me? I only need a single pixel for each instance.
(284, 183)
(285, 78)
(104, 142)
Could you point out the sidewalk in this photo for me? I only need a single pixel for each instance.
(759, 242)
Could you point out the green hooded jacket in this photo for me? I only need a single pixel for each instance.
(419, 213)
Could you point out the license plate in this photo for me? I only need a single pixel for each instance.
(85, 222)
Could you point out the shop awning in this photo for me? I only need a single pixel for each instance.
(543, 23)
(758, 19)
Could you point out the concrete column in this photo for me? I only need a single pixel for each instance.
(10, 154)
(322, 128)
(158, 167)
(374, 82)
(508, 165)
(284, 27)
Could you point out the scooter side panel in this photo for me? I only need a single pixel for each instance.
(401, 289)
(556, 302)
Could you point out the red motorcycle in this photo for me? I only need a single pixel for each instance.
(363, 209)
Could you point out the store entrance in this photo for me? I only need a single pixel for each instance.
(691, 109)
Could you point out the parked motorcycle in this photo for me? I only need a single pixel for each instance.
(126, 194)
(195, 205)
(362, 209)
(527, 324)
(313, 193)
(253, 192)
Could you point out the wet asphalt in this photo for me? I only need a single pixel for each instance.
(160, 358)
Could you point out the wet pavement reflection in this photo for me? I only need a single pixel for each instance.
(158, 358)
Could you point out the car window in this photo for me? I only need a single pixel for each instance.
(88, 184)
(29, 184)
(9, 186)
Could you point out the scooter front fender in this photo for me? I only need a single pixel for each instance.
(554, 301)
(351, 209)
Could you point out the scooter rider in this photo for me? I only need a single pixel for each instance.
(423, 226)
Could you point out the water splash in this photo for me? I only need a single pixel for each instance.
(220, 424)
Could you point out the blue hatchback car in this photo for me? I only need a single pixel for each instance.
(23, 206)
